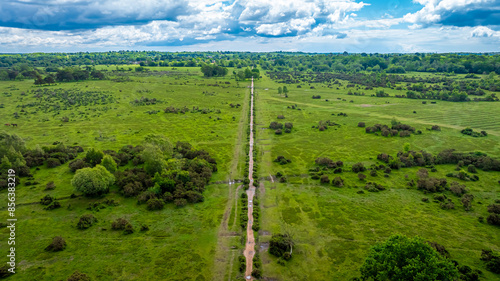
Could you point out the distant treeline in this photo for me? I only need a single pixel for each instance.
(388, 63)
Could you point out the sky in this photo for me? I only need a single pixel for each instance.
(322, 26)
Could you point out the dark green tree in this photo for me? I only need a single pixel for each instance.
(403, 258)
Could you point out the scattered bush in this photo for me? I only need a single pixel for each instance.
(53, 162)
(324, 179)
(122, 224)
(58, 244)
(77, 164)
(361, 124)
(358, 167)
(78, 276)
(155, 204)
(50, 186)
(86, 221)
(338, 182)
(492, 260)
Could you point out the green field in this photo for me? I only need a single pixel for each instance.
(181, 243)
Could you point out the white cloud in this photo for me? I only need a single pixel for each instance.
(482, 31)
(437, 11)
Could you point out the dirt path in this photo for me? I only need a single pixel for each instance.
(250, 244)
(223, 260)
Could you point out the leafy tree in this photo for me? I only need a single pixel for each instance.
(154, 160)
(93, 181)
(94, 156)
(403, 258)
(280, 91)
(109, 163)
(280, 244)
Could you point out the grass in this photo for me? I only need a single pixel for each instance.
(181, 242)
(334, 227)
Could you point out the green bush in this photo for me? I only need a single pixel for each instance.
(86, 221)
(93, 181)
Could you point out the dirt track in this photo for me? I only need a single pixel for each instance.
(250, 244)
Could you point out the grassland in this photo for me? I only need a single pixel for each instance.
(334, 227)
(181, 243)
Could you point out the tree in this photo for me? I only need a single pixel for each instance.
(154, 159)
(109, 163)
(93, 181)
(280, 91)
(280, 244)
(403, 258)
(94, 156)
(285, 90)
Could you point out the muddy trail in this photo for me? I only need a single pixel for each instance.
(250, 244)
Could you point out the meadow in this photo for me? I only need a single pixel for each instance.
(181, 242)
(333, 227)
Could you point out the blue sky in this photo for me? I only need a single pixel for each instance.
(256, 25)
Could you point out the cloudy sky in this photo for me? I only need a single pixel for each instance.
(245, 25)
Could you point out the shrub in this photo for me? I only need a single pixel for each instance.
(86, 221)
(471, 169)
(338, 182)
(122, 224)
(109, 163)
(155, 204)
(447, 206)
(457, 189)
(439, 248)
(361, 124)
(78, 276)
(278, 132)
(46, 200)
(358, 167)
(467, 201)
(93, 156)
(180, 202)
(77, 164)
(492, 260)
(281, 117)
(257, 273)
(93, 181)
(324, 179)
(58, 244)
(50, 186)
(373, 173)
(288, 126)
(494, 208)
(53, 162)
(275, 125)
(361, 176)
